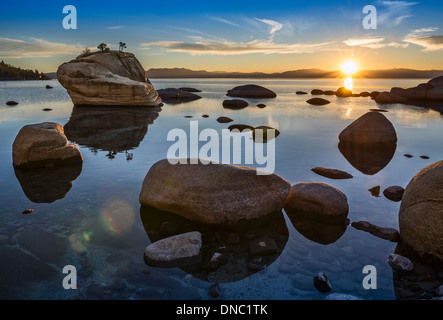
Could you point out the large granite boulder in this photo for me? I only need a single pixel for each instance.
(107, 78)
(42, 145)
(251, 91)
(372, 127)
(421, 214)
(213, 193)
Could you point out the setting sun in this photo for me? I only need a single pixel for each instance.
(349, 67)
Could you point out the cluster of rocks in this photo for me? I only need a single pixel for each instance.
(430, 91)
(341, 92)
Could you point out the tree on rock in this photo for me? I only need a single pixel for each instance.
(121, 46)
(103, 47)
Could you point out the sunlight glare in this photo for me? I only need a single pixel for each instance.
(349, 67)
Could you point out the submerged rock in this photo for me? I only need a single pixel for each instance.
(421, 214)
(107, 78)
(43, 144)
(213, 193)
(375, 191)
(332, 173)
(318, 201)
(372, 127)
(321, 282)
(383, 233)
(251, 91)
(264, 134)
(175, 251)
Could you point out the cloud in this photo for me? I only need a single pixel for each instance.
(423, 38)
(224, 21)
(114, 27)
(275, 26)
(374, 43)
(211, 47)
(35, 48)
(394, 12)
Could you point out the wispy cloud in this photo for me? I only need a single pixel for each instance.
(210, 47)
(423, 38)
(373, 43)
(392, 13)
(275, 26)
(225, 21)
(114, 27)
(35, 48)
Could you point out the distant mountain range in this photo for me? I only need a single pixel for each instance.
(157, 73)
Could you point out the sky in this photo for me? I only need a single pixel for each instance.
(243, 36)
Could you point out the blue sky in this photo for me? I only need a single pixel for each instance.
(269, 36)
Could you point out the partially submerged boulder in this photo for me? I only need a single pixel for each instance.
(235, 104)
(42, 145)
(372, 127)
(318, 101)
(174, 96)
(213, 193)
(251, 91)
(421, 214)
(318, 201)
(107, 78)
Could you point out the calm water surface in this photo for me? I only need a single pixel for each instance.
(96, 224)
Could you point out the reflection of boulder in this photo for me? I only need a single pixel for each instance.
(46, 185)
(233, 251)
(312, 229)
(368, 158)
(109, 128)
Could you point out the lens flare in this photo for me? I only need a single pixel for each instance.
(118, 217)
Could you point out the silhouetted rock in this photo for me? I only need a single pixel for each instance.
(321, 282)
(329, 92)
(301, 92)
(316, 92)
(235, 104)
(261, 106)
(251, 91)
(12, 103)
(343, 92)
(372, 127)
(189, 89)
(331, 173)
(224, 119)
(383, 233)
(264, 134)
(49, 87)
(174, 96)
(318, 101)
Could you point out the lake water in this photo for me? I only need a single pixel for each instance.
(96, 224)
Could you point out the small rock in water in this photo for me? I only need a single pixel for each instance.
(383, 233)
(28, 211)
(188, 116)
(49, 87)
(394, 193)
(321, 283)
(317, 92)
(47, 109)
(332, 173)
(262, 246)
(329, 92)
(318, 101)
(301, 92)
(224, 120)
(240, 127)
(400, 263)
(214, 290)
(408, 155)
(189, 89)
(235, 104)
(12, 103)
(261, 105)
(365, 94)
(375, 191)
(205, 116)
(424, 157)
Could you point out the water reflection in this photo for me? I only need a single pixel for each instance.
(314, 230)
(234, 244)
(349, 83)
(110, 129)
(46, 185)
(368, 158)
